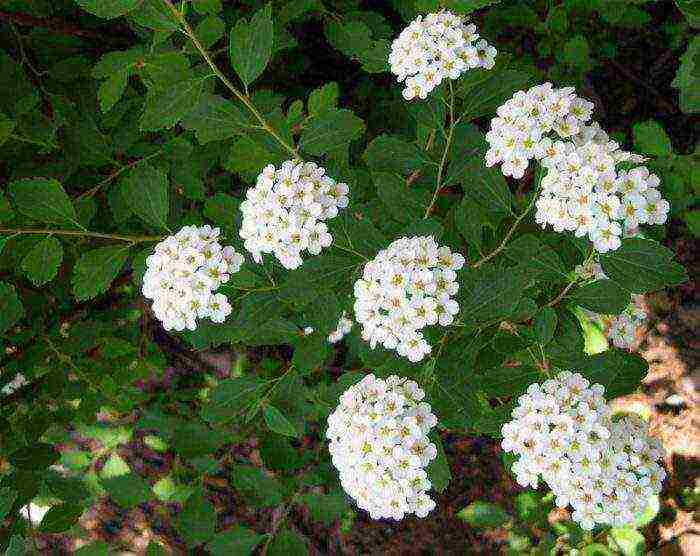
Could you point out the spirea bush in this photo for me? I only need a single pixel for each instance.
(283, 248)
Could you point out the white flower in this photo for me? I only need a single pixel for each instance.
(436, 47)
(183, 274)
(379, 444)
(343, 328)
(15, 384)
(284, 213)
(563, 432)
(405, 288)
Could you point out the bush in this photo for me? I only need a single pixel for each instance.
(147, 380)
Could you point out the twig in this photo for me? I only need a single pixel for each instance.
(243, 97)
(561, 296)
(130, 239)
(114, 175)
(443, 160)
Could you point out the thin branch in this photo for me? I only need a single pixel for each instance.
(79, 233)
(187, 30)
(114, 175)
(443, 160)
(561, 296)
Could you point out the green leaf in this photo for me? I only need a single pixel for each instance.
(402, 202)
(467, 142)
(439, 469)
(485, 186)
(36, 457)
(60, 518)
(602, 296)
(222, 209)
(7, 500)
(278, 423)
(231, 398)
(96, 269)
(391, 154)
(596, 549)
(484, 515)
(216, 118)
(323, 99)
(147, 190)
(488, 295)
(354, 39)
(17, 546)
(259, 489)
(97, 548)
(251, 45)
(166, 107)
(155, 549)
(577, 53)
(620, 372)
(112, 89)
(531, 508)
(155, 15)
(11, 308)
(330, 130)
(325, 508)
(44, 200)
(197, 521)
(642, 265)
(7, 126)
(484, 91)
(650, 138)
(287, 543)
(628, 541)
(687, 78)
(236, 541)
(108, 9)
(540, 260)
(544, 326)
(127, 490)
(193, 438)
(43, 260)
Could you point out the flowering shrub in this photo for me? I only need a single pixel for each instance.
(227, 233)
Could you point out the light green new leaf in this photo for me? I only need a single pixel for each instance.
(628, 541)
(166, 107)
(251, 45)
(278, 423)
(146, 189)
(43, 260)
(96, 269)
(11, 308)
(650, 138)
(44, 200)
(197, 521)
(108, 9)
(330, 130)
(236, 541)
(642, 265)
(484, 514)
(216, 118)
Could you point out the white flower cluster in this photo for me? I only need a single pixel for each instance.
(379, 444)
(183, 274)
(284, 213)
(563, 432)
(343, 328)
(525, 123)
(406, 287)
(437, 47)
(15, 384)
(620, 329)
(583, 191)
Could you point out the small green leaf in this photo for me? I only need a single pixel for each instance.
(278, 423)
(391, 154)
(251, 45)
(628, 541)
(439, 469)
(687, 79)
(108, 9)
(620, 372)
(197, 521)
(330, 130)
(11, 308)
(17, 546)
(323, 99)
(44, 200)
(325, 508)
(127, 490)
(650, 138)
(60, 518)
(484, 515)
(259, 489)
(147, 190)
(43, 260)
(236, 541)
(7, 500)
(96, 269)
(36, 457)
(166, 107)
(216, 118)
(112, 89)
(544, 326)
(287, 543)
(602, 296)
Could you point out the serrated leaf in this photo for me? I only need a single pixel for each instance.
(642, 265)
(146, 189)
(486, 186)
(43, 260)
(278, 423)
(467, 142)
(197, 521)
(485, 90)
(251, 45)
(401, 201)
(44, 200)
(325, 508)
(231, 398)
(620, 372)
(287, 543)
(484, 514)
(537, 258)
(330, 130)
(354, 39)
(388, 153)
(155, 15)
(111, 90)
(60, 518)
(11, 308)
(222, 209)
(650, 138)
(439, 469)
(259, 489)
(487, 294)
(602, 296)
(687, 79)
(544, 325)
(96, 269)
(127, 490)
(323, 99)
(165, 108)
(236, 541)
(216, 118)
(108, 9)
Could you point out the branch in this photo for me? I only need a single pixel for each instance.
(130, 239)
